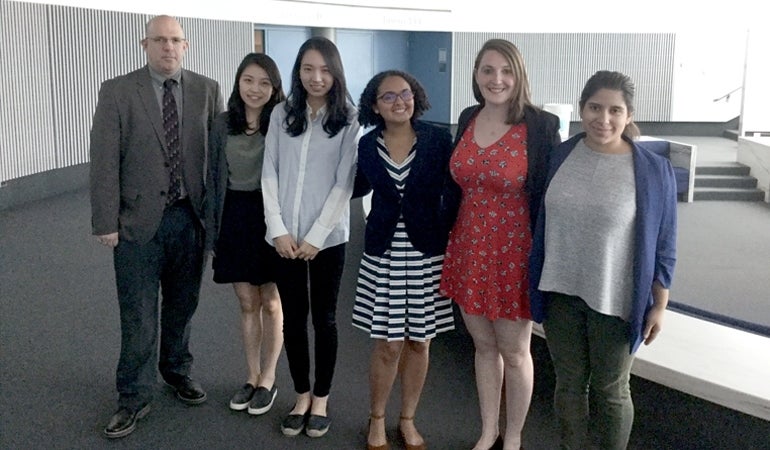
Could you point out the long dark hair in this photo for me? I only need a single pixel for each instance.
(614, 81)
(521, 97)
(336, 100)
(367, 116)
(236, 108)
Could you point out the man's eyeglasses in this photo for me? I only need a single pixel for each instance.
(164, 40)
(390, 97)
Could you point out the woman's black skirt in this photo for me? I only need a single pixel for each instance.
(241, 252)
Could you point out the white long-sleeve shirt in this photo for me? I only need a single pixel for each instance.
(307, 180)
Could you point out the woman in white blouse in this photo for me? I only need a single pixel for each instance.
(307, 182)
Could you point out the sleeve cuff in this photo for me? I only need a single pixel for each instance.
(317, 235)
(275, 227)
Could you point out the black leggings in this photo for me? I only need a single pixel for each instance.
(311, 287)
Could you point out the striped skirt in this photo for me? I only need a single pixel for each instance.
(397, 294)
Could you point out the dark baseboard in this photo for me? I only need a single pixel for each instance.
(716, 129)
(658, 128)
(42, 185)
(751, 327)
(58, 181)
(710, 129)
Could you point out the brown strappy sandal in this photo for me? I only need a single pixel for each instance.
(420, 446)
(369, 446)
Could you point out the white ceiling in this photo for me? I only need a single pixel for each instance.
(463, 15)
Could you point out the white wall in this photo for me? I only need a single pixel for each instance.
(756, 100)
(53, 60)
(710, 45)
(755, 153)
(709, 62)
(707, 66)
(554, 16)
(558, 65)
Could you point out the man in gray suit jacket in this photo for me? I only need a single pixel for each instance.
(147, 201)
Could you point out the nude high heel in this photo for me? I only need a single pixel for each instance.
(375, 447)
(420, 446)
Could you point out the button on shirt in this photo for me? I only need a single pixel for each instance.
(309, 197)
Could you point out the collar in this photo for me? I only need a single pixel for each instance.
(159, 78)
(320, 113)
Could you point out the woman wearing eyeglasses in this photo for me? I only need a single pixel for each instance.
(405, 162)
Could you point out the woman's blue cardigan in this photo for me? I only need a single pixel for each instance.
(655, 234)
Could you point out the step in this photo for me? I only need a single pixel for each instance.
(740, 195)
(725, 181)
(722, 168)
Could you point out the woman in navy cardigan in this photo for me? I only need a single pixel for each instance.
(602, 261)
(406, 163)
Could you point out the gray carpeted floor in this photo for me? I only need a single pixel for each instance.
(723, 260)
(59, 345)
(723, 267)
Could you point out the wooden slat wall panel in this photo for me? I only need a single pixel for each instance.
(217, 48)
(26, 127)
(558, 65)
(88, 47)
(53, 60)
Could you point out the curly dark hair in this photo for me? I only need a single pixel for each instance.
(236, 108)
(336, 100)
(366, 115)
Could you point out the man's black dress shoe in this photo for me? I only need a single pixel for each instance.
(123, 422)
(187, 390)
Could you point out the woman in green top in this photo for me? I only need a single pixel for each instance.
(235, 228)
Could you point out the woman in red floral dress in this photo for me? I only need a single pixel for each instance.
(499, 164)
